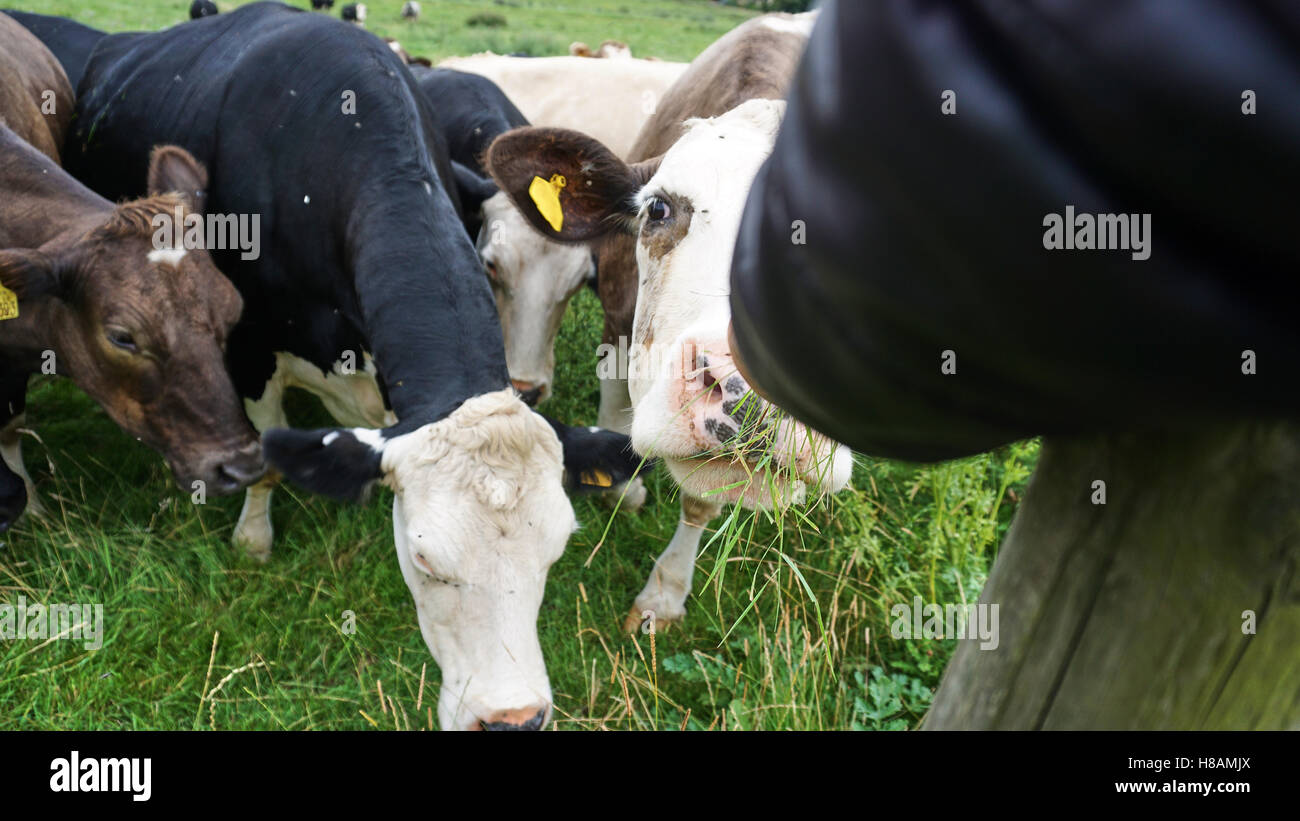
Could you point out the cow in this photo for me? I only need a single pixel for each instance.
(354, 13)
(89, 293)
(202, 8)
(668, 222)
(532, 277)
(69, 41)
(369, 292)
(535, 277)
(610, 49)
(608, 99)
(35, 95)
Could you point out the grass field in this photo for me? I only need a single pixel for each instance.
(788, 626)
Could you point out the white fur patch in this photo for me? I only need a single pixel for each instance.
(800, 24)
(370, 436)
(170, 256)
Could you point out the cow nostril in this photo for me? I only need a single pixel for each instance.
(240, 473)
(709, 380)
(528, 391)
(515, 721)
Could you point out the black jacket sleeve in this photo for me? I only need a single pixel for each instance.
(925, 231)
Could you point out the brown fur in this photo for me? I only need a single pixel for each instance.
(593, 177)
(27, 71)
(750, 62)
(82, 271)
(135, 218)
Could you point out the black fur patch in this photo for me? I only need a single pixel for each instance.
(344, 469)
(596, 460)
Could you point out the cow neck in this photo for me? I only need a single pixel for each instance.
(429, 314)
(39, 201)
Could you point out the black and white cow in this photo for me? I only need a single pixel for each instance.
(532, 276)
(318, 129)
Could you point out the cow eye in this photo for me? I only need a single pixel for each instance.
(122, 339)
(491, 269)
(658, 210)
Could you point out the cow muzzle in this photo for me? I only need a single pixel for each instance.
(531, 392)
(719, 437)
(226, 471)
(522, 720)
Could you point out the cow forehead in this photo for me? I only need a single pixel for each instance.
(487, 480)
(715, 160)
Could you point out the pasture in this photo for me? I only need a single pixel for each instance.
(789, 620)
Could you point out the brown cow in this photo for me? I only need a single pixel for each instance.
(36, 100)
(139, 328)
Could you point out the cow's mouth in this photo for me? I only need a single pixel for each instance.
(755, 479)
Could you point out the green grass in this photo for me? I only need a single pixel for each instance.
(667, 29)
(791, 630)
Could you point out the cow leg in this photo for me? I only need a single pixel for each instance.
(17, 491)
(616, 414)
(663, 599)
(254, 532)
(11, 451)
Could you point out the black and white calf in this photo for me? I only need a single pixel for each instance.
(368, 292)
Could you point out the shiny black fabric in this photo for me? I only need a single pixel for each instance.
(925, 231)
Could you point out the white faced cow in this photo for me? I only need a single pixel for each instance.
(679, 213)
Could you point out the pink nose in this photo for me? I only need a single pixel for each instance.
(719, 397)
(526, 718)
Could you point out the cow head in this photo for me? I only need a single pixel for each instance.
(691, 406)
(142, 330)
(479, 516)
(533, 279)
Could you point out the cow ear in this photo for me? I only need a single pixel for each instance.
(333, 462)
(33, 274)
(567, 185)
(472, 188)
(596, 459)
(172, 169)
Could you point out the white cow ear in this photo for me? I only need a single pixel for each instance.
(567, 185)
(328, 461)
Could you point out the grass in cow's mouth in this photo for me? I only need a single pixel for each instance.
(788, 627)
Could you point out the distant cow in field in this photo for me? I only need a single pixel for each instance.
(369, 293)
(609, 50)
(88, 292)
(669, 222)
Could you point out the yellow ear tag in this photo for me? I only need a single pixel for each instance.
(597, 477)
(546, 196)
(8, 304)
